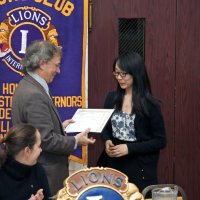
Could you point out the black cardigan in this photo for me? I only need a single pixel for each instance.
(19, 181)
(143, 154)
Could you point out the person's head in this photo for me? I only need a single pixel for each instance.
(22, 142)
(43, 58)
(130, 71)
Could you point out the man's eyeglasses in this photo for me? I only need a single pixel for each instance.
(122, 74)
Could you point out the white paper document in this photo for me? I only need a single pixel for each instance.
(95, 119)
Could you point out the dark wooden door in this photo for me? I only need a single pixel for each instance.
(187, 100)
(169, 57)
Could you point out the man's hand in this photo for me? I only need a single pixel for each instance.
(82, 138)
(67, 122)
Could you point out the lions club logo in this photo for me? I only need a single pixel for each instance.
(23, 25)
(98, 183)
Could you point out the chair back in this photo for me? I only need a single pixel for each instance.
(149, 188)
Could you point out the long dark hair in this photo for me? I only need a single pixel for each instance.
(17, 138)
(133, 64)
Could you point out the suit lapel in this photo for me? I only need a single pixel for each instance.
(46, 96)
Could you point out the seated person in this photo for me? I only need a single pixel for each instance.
(21, 177)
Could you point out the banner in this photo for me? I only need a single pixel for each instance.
(61, 22)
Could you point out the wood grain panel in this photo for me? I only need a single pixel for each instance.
(187, 138)
(102, 51)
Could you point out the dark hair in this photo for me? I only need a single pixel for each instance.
(133, 64)
(37, 51)
(17, 138)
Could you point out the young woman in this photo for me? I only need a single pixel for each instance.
(135, 133)
(21, 177)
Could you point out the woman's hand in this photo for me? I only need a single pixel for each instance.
(108, 145)
(38, 196)
(116, 150)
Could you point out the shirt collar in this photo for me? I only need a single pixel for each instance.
(40, 80)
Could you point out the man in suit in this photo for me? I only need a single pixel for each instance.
(32, 104)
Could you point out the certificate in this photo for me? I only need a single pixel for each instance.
(95, 119)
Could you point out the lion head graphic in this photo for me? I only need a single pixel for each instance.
(52, 35)
(4, 35)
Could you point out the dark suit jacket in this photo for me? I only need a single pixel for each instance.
(140, 164)
(32, 105)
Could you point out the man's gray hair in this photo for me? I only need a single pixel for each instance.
(39, 50)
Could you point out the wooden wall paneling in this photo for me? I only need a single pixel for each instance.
(160, 59)
(187, 129)
(102, 50)
(159, 56)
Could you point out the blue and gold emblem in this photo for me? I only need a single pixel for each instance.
(23, 25)
(98, 183)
